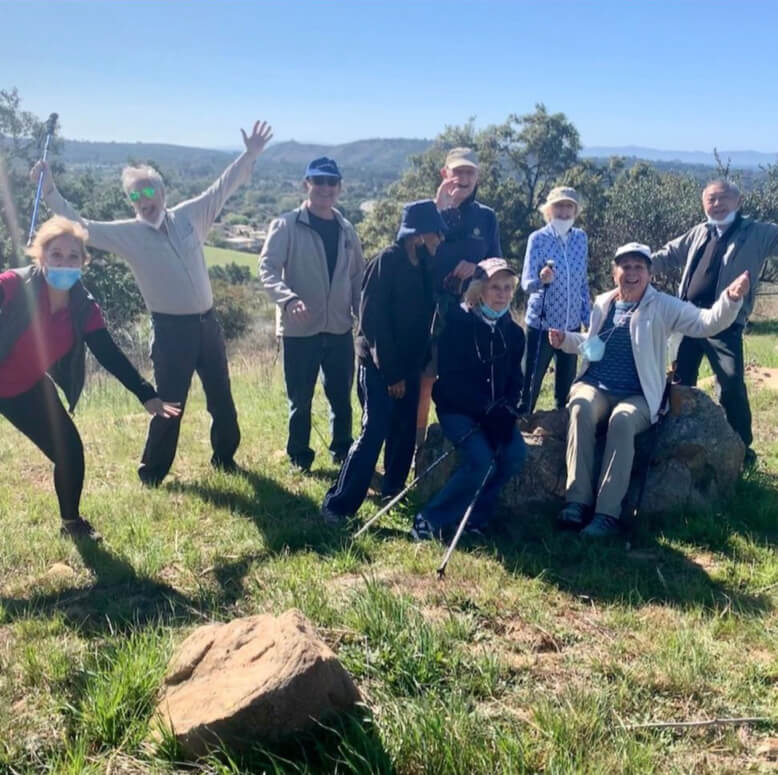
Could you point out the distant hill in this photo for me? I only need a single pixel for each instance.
(740, 159)
(375, 156)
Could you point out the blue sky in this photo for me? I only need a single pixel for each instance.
(674, 74)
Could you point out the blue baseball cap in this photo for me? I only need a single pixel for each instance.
(323, 166)
(421, 217)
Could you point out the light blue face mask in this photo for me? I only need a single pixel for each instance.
(592, 348)
(491, 314)
(63, 278)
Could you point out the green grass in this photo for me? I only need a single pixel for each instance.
(223, 256)
(535, 654)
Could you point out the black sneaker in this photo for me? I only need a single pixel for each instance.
(603, 526)
(228, 466)
(749, 460)
(423, 530)
(572, 516)
(79, 530)
(331, 517)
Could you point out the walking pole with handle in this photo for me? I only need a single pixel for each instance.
(463, 523)
(400, 495)
(549, 263)
(51, 125)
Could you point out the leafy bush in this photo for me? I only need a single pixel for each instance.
(234, 305)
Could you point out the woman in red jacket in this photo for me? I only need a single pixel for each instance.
(46, 319)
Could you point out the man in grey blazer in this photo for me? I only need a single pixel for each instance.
(712, 255)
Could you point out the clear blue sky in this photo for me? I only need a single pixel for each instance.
(674, 74)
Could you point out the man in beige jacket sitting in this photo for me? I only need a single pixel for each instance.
(622, 378)
(311, 266)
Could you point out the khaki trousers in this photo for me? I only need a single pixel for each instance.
(627, 416)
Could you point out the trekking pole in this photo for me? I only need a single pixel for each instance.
(463, 523)
(644, 473)
(400, 495)
(50, 127)
(532, 397)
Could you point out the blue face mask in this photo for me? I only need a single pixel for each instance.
(592, 348)
(63, 278)
(491, 314)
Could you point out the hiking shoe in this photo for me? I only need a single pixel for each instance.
(572, 516)
(331, 517)
(423, 530)
(603, 526)
(79, 530)
(228, 466)
(749, 460)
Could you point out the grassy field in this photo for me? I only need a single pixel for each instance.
(538, 653)
(221, 256)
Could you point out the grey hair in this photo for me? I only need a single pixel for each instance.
(727, 185)
(131, 175)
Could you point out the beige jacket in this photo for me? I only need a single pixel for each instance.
(657, 317)
(293, 265)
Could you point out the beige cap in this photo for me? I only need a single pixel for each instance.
(562, 194)
(490, 267)
(461, 157)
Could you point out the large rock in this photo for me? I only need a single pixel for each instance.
(697, 460)
(259, 678)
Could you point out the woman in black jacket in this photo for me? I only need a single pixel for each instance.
(395, 315)
(46, 319)
(476, 395)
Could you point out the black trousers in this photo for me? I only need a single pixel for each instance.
(385, 421)
(41, 417)
(183, 345)
(564, 373)
(725, 355)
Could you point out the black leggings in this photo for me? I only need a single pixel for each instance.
(41, 417)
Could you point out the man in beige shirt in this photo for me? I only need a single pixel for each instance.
(164, 249)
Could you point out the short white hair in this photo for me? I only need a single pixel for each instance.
(131, 175)
(727, 185)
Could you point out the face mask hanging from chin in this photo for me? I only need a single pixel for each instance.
(724, 221)
(492, 314)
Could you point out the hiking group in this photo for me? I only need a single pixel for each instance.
(433, 323)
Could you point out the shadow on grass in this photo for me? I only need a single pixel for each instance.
(650, 572)
(119, 599)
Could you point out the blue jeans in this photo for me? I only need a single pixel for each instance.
(450, 504)
(304, 356)
(384, 419)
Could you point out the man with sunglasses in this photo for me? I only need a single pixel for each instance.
(164, 249)
(311, 266)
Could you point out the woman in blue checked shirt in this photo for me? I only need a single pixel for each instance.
(565, 287)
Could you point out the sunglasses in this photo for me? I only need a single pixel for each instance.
(147, 191)
(324, 180)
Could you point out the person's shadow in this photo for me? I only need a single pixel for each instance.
(118, 598)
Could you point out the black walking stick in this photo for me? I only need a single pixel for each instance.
(51, 125)
(463, 523)
(651, 449)
(532, 397)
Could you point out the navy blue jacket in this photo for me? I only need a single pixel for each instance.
(395, 313)
(478, 364)
(472, 235)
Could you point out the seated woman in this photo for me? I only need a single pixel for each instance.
(476, 396)
(395, 315)
(46, 318)
(622, 379)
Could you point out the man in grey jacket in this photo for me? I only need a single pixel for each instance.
(712, 255)
(311, 266)
(164, 249)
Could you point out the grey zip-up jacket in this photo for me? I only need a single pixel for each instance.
(168, 263)
(747, 249)
(293, 265)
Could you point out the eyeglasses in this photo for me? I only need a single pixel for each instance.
(147, 191)
(324, 180)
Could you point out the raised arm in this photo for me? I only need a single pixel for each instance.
(103, 235)
(673, 255)
(203, 210)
